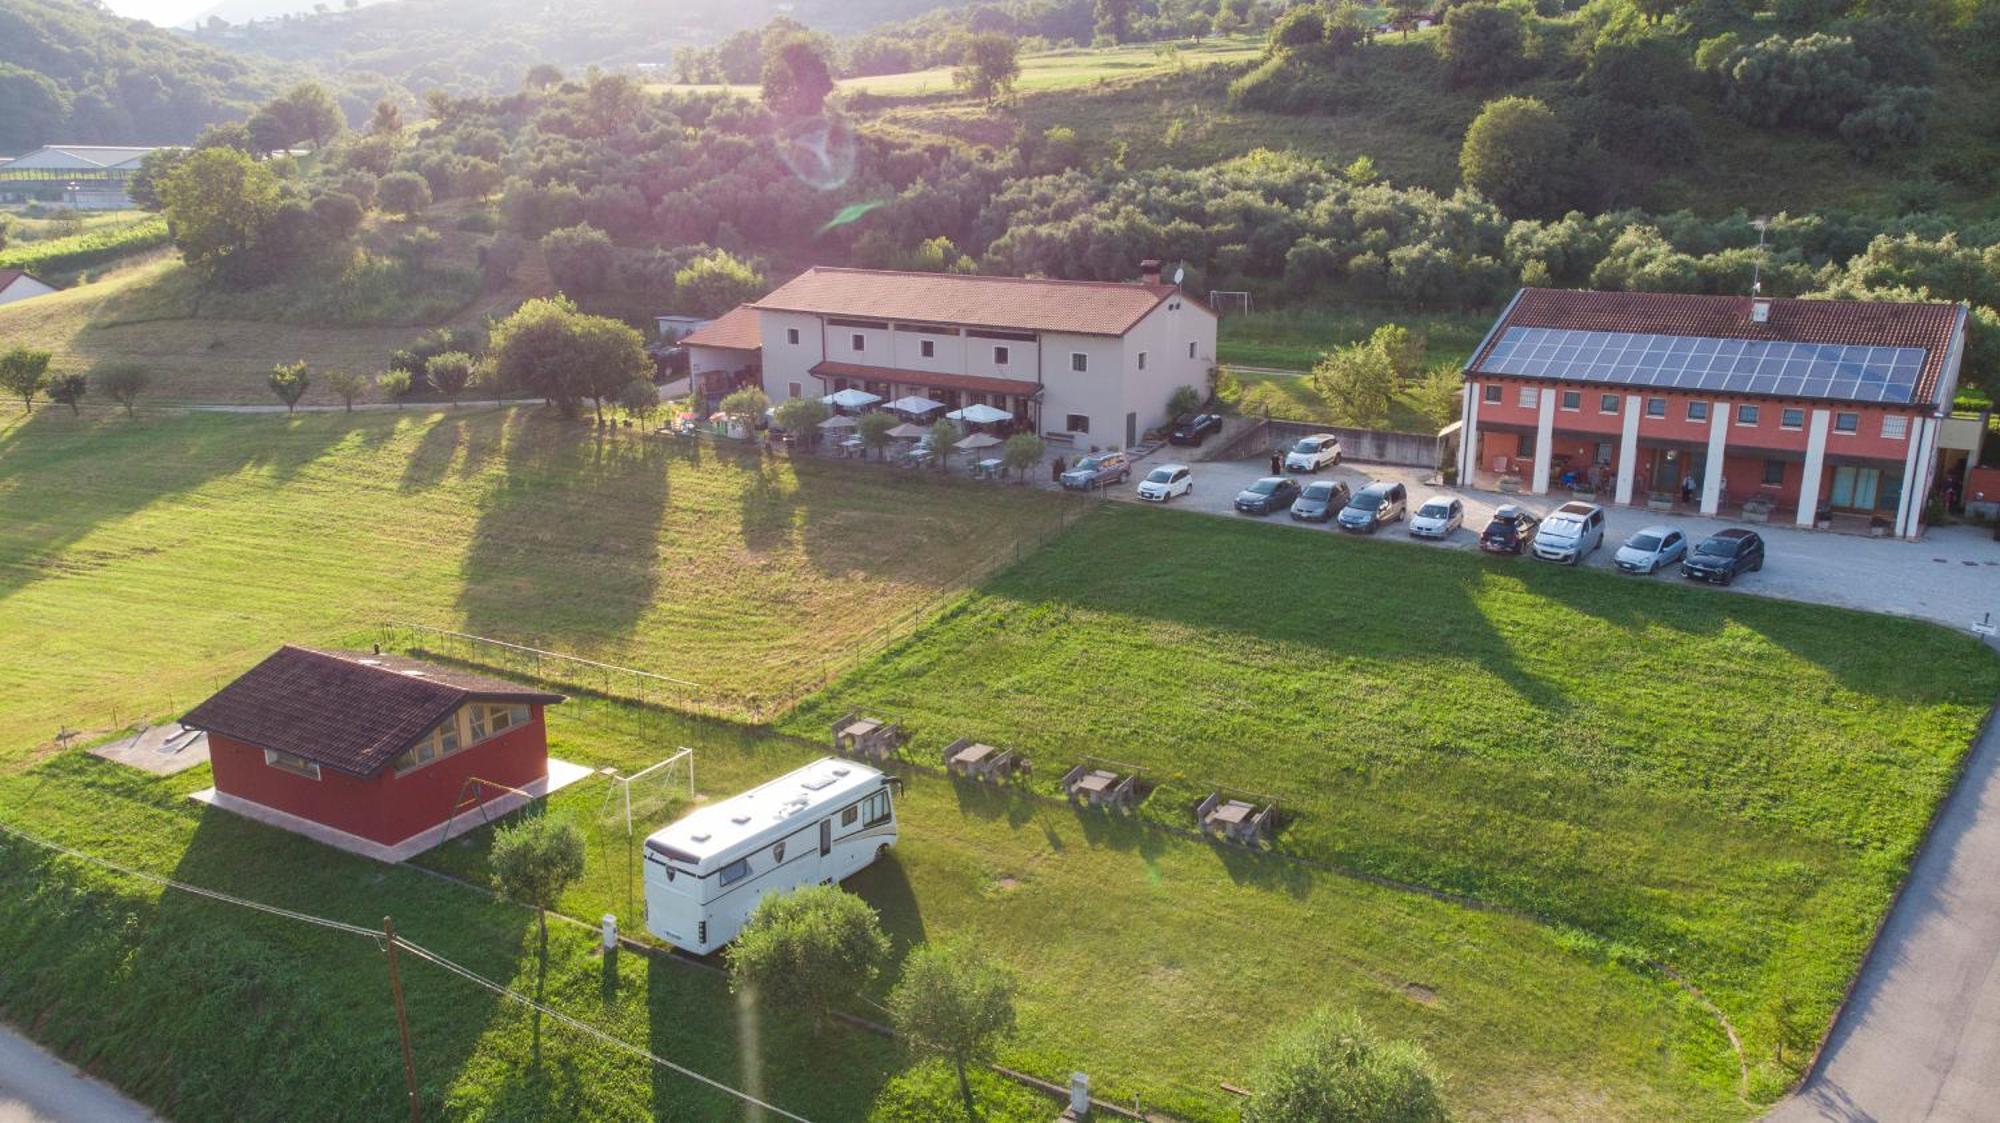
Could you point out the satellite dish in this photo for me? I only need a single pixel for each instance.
(1180, 271)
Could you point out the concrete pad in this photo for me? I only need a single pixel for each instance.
(561, 775)
(160, 749)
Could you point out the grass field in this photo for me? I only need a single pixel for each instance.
(140, 561)
(1295, 339)
(1727, 785)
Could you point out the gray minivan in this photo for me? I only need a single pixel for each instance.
(1570, 533)
(1374, 505)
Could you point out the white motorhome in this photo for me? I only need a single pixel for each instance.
(706, 872)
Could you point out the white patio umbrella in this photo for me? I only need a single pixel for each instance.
(914, 404)
(909, 431)
(851, 398)
(980, 414)
(977, 441)
(842, 422)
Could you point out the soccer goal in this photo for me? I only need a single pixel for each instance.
(1225, 301)
(646, 795)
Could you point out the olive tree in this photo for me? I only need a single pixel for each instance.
(289, 381)
(745, 406)
(533, 861)
(451, 373)
(874, 430)
(1183, 401)
(1358, 384)
(1022, 452)
(1334, 1067)
(807, 950)
(347, 385)
(69, 389)
(23, 374)
(944, 434)
(394, 384)
(802, 415)
(955, 1003)
(122, 383)
(640, 398)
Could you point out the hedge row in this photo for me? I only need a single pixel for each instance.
(81, 251)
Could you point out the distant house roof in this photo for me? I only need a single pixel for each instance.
(80, 157)
(735, 330)
(346, 710)
(9, 276)
(1930, 328)
(1003, 303)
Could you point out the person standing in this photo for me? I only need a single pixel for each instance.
(1056, 467)
(1277, 465)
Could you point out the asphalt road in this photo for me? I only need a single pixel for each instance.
(39, 1087)
(1920, 1038)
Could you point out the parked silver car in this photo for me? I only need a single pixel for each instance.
(1438, 517)
(1570, 533)
(1651, 550)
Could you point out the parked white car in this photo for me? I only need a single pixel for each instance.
(1438, 517)
(1651, 550)
(1570, 533)
(1313, 453)
(1165, 482)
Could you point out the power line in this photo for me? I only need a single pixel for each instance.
(421, 952)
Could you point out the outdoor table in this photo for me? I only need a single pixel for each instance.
(1231, 814)
(988, 467)
(972, 755)
(1097, 783)
(861, 728)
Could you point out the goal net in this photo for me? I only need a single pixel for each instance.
(645, 798)
(1227, 301)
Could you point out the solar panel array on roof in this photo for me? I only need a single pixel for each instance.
(1723, 366)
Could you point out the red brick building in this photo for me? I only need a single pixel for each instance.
(375, 751)
(1770, 409)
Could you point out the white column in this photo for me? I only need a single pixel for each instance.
(1815, 466)
(1905, 525)
(1545, 428)
(1929, 427)
(1468, 436)
(1628, 448)
(1718, 439)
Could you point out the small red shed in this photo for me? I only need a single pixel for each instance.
(373, 753)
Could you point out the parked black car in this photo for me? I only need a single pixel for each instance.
(1512, 531)
(1194, 428)
(1320, 501)
(1266, 495)
(1723, 555)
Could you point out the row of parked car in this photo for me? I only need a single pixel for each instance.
(1574, 530)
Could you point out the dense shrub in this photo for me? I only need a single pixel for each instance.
(579, 257)
(1812, 82)
(1894, 117)
(1483, 43)
(1517, 153)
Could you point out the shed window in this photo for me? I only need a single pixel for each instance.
(1000, 356)
(1846, 422)
(733, 872)
(1491, 393)
(1895, 427)
(1079, 362)
(292, 763)
(1142, 360)
(1190, 348)
(792, 335)
(927, 348)
(859, 341)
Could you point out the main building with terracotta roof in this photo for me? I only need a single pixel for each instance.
(1091, 363)
(1800, 410)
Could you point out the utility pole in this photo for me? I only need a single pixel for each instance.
(402, 1018)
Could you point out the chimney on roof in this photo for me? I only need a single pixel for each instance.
(1760, 309)
(1149, 271)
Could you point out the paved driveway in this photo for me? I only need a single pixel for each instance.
(1920, 1039)
(1952, 577)
(38, 1087)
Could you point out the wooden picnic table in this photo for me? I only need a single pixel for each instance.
(1232, 814)
(861, 728)
(974, 754)
(1097, 783)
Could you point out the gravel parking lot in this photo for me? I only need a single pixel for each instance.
(1951, 577)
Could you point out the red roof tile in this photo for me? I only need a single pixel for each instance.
(1871, 323)
(346, 710)
(1004, 303)
(736, 330)
(978, 384)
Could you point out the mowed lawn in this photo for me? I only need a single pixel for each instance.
(1726, 785)
(141, 563)
(1161, 966)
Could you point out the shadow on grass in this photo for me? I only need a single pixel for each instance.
(69, 477)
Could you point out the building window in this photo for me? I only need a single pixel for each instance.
(1774, 473)
(1847, 423)
(927, 348)
(440, 742)
(1607, 403)
(1531, 397)
(1142, 360)
(778, 852)
(796, 390)
(1697, 411)
(1895, 427)
(1078, 423)
(860, 341)
(292, 763)
(1190, 348)
(849, 814)
(1792, 419)
(1572, 400)
(1491, 393)
(1079, 362)
(792, 336)
(1000, 356)
(1747, 416)
(733, 872)
(1656, 407)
